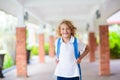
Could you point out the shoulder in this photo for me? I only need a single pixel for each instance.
(76, 39)
(79, 41)
(58, 39)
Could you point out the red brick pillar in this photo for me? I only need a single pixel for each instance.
(51, 46)
(41, 48)
(92, 46)
(104, 51)
(21, 57)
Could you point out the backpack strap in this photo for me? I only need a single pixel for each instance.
(77, 54)
(75, 44)
(58, 48)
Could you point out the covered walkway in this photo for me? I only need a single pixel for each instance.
(44, 71)
(90, 17)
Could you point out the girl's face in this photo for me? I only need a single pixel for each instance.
(65, 31)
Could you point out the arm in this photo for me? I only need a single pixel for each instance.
(83, 54)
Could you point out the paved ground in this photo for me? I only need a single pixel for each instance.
(44, 71)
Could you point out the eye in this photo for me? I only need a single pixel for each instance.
(62, 29)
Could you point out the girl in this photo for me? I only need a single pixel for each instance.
(67, 68)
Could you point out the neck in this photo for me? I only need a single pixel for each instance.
(66, 39)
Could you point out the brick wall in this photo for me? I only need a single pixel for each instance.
(21, 61)
(92, 46)
(104, 51)
(51, 46)
(41, 48)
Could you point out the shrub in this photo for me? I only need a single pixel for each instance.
(114, 39)
(8, 61)
(46, 46)
(34, 50)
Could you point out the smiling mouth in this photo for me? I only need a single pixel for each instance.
(65, 34)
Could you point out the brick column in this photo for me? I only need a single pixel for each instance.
(92, 46)
(104, 51)
(41, 48)
(51, 46)
(21, 57)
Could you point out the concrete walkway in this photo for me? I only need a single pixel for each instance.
(44, 71)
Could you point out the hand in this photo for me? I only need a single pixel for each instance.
(78, 60)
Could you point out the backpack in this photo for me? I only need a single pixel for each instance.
(77, 53)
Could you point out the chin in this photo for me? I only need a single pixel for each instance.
(66, 36)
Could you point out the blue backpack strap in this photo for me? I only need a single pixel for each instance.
(77, 54)
(76, 48)
(58, 48)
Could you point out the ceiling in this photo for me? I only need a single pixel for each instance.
(53, 11)
(85, 14)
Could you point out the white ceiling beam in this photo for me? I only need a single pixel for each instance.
(37, 3)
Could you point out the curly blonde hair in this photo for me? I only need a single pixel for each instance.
(70, 25)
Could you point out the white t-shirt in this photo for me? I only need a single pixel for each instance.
(67, 66)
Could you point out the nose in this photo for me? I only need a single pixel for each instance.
(65, 30)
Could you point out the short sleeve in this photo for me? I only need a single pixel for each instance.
(81, 46)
